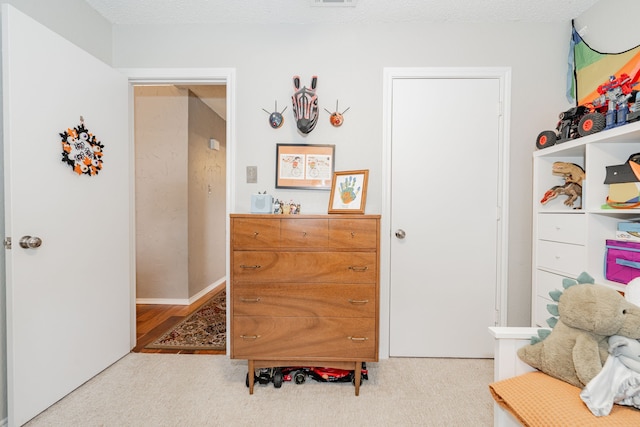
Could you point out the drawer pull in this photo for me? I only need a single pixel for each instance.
(353, 235)
(358, 268)
(249, 299)
(249, 337)
(249, 266)
(255, 234)
(358, 338)
(358, 301)
(304, 234)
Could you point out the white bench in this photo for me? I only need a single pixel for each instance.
(507, 364)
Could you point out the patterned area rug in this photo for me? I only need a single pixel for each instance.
(204, 329)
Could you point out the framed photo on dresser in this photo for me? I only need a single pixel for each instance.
(349, 192)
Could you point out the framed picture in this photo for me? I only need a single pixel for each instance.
(348, 192)
(304, 166)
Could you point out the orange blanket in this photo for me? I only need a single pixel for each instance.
(538, 400)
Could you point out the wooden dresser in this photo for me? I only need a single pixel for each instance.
(305, 291)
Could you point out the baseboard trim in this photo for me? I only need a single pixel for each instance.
(181, 301)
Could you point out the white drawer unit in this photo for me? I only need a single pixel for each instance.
(546, 282)
(566, 228)
(569, 240)
(541, 314)
(561, 257)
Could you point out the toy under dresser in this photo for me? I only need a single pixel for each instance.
(305, 291)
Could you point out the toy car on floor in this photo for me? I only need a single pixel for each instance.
(299, 375)
(266, 376)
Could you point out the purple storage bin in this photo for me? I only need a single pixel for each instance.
(622, 261)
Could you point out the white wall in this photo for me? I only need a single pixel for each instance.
(74, 20)
(602, 32)
(349, 62)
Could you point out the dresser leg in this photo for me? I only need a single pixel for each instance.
(358, 377)
(252, 375)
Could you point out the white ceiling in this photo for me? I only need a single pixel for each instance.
(364, 11)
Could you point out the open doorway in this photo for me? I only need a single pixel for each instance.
(200, 85)
(180, 200)
(180, 188)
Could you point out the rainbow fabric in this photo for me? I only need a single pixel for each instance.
(589, 68)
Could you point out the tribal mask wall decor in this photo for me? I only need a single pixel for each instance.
(336, 118)
(305, 105)
(275, 119)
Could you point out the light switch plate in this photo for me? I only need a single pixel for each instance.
(252, 174)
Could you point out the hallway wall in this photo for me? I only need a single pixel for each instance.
(207, 196)
(180, 195)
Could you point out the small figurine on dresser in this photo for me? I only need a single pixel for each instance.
(282, 208)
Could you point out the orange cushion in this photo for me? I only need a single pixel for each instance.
(536, 399)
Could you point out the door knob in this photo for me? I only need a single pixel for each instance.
(400, 234)
(28, 242)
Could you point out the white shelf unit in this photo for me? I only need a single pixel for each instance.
(568, 241)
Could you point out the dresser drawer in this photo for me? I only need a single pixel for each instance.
(304, 233)
(254, 233)
(561, 257)
(567, 228)
(353, 233)
(309, 299)
(298, 267)
(315, 338)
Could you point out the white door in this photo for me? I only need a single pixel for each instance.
(444, 198)
(68, 301)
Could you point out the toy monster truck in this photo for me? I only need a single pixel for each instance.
(616, 105)
(566, 129)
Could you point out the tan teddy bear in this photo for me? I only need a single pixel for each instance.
(577, 347)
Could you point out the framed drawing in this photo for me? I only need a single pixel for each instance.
(304, 166)
(348, 192)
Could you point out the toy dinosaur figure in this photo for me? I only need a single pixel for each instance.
(570, 189)
(569, 171)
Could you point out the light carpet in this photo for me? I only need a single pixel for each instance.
(159, 390)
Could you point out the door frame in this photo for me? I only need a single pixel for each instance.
(175, 76)
(503, 74)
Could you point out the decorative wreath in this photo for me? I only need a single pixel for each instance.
(81, 150)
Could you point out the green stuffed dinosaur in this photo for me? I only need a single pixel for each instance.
(576, 348)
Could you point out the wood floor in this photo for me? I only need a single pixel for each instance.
(152, 320)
